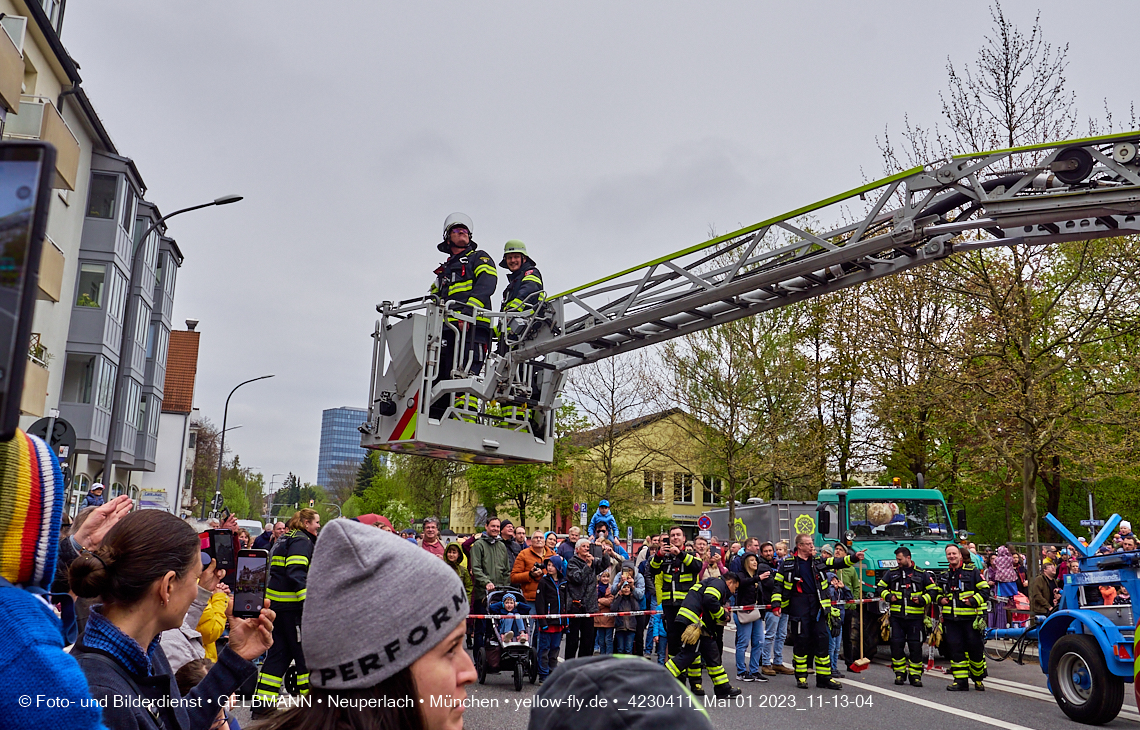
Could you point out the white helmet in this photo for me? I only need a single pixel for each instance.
(457, 219)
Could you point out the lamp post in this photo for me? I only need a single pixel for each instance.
(128, 330)
(222, 445)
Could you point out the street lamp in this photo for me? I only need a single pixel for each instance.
(222, 446)
(128, 329)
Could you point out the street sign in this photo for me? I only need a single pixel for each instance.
(706, 534)
(629, 538)
(584, 519)
(1092, 523)
(577, 507)
(704, 524)
(62, 440)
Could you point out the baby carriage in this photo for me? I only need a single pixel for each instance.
(514, 656)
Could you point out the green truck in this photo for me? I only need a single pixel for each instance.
(875, 520)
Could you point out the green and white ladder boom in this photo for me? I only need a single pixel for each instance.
(1040, 194)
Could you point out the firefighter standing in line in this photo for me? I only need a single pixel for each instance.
(288, 576)
(678, 571)
(908, 591)
(801, 590)
(700, 617)
(963, 595)
(468, 277)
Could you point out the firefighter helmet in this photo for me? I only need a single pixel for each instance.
(452, 221)
(512, 246)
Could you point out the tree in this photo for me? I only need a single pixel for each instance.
(711, 376)
(368, 469)
(431, 483)
(342, 482)
(612, 395)
(523, 487)
(205, 476)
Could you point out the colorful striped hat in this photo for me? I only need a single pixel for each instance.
(31, 507)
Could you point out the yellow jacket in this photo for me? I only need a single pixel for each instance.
(213, 623)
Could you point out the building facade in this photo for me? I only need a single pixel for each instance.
(340, 441)
(99, 343)
(171, 481)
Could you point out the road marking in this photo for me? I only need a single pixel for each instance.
(956, 711)
(1028, 690)
(985, 719)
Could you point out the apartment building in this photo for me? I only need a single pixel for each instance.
(99, 341)
(340, 441)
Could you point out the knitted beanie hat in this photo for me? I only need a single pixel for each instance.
(31, 507)
(359, 626)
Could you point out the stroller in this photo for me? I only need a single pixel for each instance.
(498, 656)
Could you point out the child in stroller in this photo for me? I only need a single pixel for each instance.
(510, 630)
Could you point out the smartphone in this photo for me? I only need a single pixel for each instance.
(252, 577)
(225, 515)
(26, 172)
(219, 545)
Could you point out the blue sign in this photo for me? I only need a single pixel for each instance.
(1092, 523)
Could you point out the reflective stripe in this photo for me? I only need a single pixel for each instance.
(693, 618)
(296, 560)
(460, 286)
(285, 596)
(486, 269)
(277, 561)
(270, 680)
(532, 278)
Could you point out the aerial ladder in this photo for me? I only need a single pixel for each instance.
(1039, 194)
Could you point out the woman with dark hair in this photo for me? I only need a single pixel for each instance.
(146, 571)
(384, 625)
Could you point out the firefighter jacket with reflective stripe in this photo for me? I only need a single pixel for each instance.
(800, 598)
(470, 278)
(704, 604)
(908, 591)
(289, 570)
(678, 575)
(522, 284)
(967, 590)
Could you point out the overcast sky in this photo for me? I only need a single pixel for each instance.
(602, 134)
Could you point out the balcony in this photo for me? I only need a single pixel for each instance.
(34, 398)
(11, 73)
(37, 118)
(51, 272)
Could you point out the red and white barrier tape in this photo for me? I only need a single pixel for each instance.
(615, 614)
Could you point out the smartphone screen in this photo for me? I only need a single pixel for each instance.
(252, 576)
(223, 548)
(25, 188)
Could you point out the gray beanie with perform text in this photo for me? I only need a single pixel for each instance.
(374, 604)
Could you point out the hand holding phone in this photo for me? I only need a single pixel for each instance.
(252, 579)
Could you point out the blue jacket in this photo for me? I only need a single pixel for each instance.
(224, 679)
(33, 663)
(600, 519)
(92, 500)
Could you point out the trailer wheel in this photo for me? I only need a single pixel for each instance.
(481, 664)
(1082, 685)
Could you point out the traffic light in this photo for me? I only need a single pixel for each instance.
(312, 503)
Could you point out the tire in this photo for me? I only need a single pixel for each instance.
(532, 664)
(1082, 685)
(481, 664)
(518, 677)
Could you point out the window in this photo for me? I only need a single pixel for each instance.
(117, 295)
(140, 228)
(159, 266)
(91, 280)
(160, 348)
(141, 322)
(128, 208)
(910, 518)
(155, 414)
(117, 489)
(189, 478)
(193, 442)
(150, 341)
(655, 485)
(78, 379)
(134, 407)
(172, 272)
(105, 389)
(713, 487)
(101, 198)
(682, 488)
(140, 421)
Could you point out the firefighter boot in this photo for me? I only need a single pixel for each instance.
(725, 691)
(960, 685)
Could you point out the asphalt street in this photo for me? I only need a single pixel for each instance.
(1015, 699)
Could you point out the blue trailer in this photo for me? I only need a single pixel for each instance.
(1088, 651)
